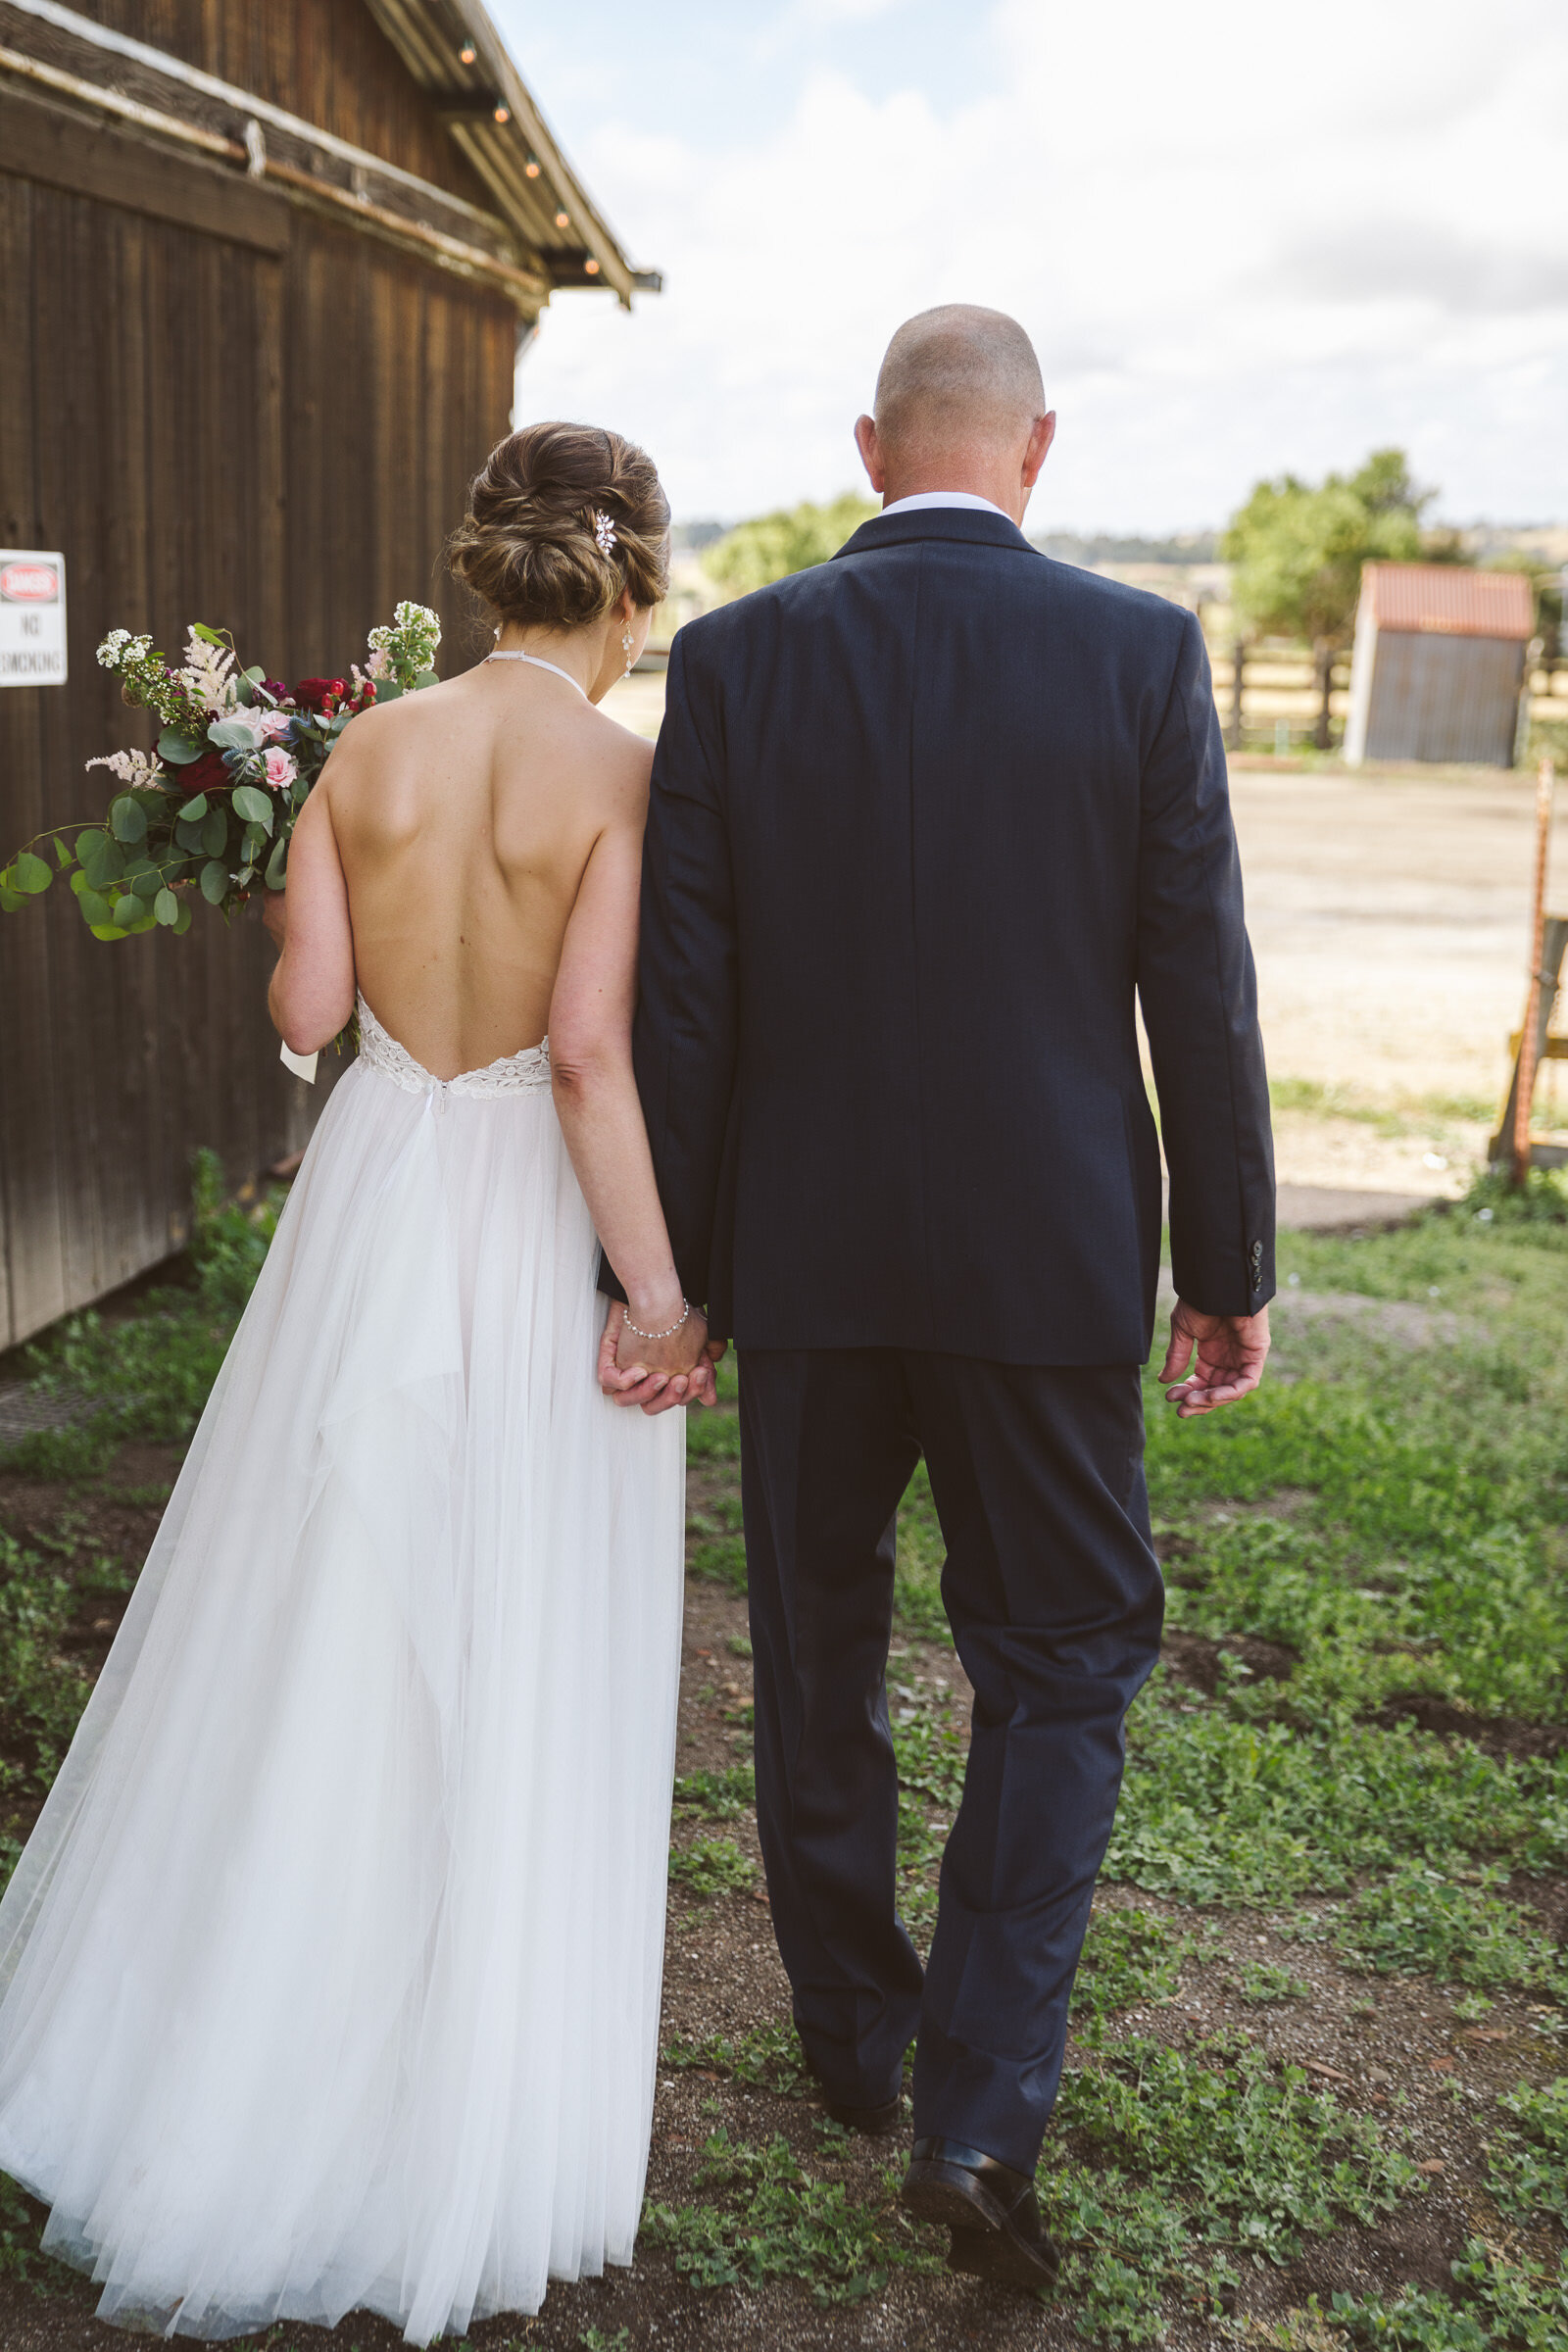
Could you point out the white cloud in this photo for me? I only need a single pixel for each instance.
(1240, 242)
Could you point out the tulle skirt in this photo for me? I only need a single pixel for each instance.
(330, 1975)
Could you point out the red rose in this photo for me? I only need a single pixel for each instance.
(316, 694)
(206, 774)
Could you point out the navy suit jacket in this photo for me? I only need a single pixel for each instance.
(926, 822)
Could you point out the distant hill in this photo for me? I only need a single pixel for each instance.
(1103, 547)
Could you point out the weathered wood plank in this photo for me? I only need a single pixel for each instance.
(45, 143)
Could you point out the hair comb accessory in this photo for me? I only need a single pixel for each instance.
(604, 532)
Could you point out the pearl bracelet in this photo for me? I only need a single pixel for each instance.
(685, 1312)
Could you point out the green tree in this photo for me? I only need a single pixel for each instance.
(771, 546)
(1297, 553)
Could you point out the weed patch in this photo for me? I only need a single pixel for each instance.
(765, 2058)
(711, 1865)
(769, 2219)
(1421, 1923)
(1128, 1956)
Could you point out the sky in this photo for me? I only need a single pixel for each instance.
(1243, 239)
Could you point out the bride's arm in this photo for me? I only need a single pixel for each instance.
(312, 994)
(600, 1117)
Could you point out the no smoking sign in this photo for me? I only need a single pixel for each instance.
(33, 616)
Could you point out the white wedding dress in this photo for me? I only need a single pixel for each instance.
(330, 1975)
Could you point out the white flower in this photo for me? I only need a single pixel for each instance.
(207, 674)
(131, 767)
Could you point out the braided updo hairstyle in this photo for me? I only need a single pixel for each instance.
(533, 543)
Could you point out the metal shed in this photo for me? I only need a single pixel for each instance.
(1439, 665)
(265, 265)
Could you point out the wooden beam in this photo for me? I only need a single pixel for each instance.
(45, 144)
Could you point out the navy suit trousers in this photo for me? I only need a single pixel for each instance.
(1054, 1597)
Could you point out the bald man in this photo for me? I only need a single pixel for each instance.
(928, 822)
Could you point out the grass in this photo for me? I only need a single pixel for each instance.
(765, 2216)
(1390, 1517)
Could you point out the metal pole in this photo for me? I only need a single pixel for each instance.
(1546, 782)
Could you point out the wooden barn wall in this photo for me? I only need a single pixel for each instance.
(275, 442)
(326, 60)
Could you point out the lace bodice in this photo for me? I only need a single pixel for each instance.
(513, 1074)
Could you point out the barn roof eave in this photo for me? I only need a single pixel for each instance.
(493, 118)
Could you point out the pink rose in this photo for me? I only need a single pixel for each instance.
(274, 723)
(281, 769)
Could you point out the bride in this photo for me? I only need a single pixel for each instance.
(330, 1975)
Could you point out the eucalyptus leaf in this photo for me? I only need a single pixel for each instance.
(254, 805)
(252, 843)
(426, 677)
(108, 930)
(189, 837)
(30, 873)
(387, 690)
(194, 811)
(12, 902)
(95, 907)
(178, 750)
(231, 735)
(182, 919)
(277, 866)
(148, 885)
(165, 909)
(128, 820)
(126, 911)
(215, 881)
(63, 856)
(214, 833)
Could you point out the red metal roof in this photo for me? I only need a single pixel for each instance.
(1448, 600)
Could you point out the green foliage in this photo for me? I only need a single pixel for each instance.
(21, 2227)
(766, 2057)
(1296, 552)
(148, 1374)
(1128, 1956)
(1219, 1809)
(1261, 1982)
(1216, 2146)
(594, 2339)
(1421, 1921)
(711, 1865)
(41, 1693)
(774, 545)
(1503, 2300)
(769, 2219)
(1528, 2171)
(720, 1794)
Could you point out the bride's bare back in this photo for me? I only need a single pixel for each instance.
(465, 817)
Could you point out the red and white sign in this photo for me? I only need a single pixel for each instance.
(33, 616)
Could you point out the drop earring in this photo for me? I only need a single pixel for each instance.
(626, 646)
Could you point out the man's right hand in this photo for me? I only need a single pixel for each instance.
(1230, 1351)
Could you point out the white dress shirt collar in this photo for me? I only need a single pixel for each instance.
(945, 498)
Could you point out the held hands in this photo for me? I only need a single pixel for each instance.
(657, 1373)
(1230, 1353)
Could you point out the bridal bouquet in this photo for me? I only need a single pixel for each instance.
(210, 811)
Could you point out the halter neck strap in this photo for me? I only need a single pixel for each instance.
(509, 655)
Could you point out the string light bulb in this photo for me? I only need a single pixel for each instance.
(562, 218)
(468, 53)
(532, 168)
(590, 267)
(502, 114)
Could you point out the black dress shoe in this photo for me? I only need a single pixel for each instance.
(991, 2209)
